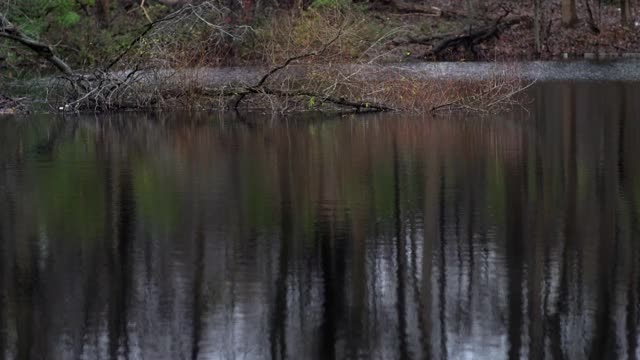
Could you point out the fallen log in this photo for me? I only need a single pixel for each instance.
(470, 39)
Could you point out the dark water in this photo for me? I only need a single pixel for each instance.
(388, 237)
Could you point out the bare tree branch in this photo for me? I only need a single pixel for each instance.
(286, 63)
(10, 31)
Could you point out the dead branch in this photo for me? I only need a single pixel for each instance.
(473, 38)
(452, 40)
(495, 95)
(259, 87)
(105, 89)
(359, 106)
(137, 39)
(10, 31)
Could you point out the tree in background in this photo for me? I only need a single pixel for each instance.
(569, 14)
(625, 11)
(102, 10)
(537, 25)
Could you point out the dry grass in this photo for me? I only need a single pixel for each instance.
(288, 34)
(395, 88)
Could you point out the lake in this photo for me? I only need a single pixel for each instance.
(392, 236)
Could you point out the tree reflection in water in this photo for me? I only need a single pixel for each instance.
(370, 237)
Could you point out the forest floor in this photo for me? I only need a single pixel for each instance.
(516, 42)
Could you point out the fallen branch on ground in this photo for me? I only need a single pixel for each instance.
(471, 39)
(10, 31)
(442, 42)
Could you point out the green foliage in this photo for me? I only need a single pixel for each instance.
(80, 37)
(36, 16)
(330, 4)
(312, 102)
(69, 19)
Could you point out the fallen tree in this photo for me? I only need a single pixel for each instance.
(472, 38)
(147, 82)
(468, 39)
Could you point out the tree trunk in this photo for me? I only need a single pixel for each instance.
(625, 11)
(470, 15)
(537, 25)
(103, 12)
(569, 15)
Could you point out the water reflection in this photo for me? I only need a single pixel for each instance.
(145, 236)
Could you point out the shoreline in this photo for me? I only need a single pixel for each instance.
(200, 83)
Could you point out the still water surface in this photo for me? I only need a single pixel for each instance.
(376, 237)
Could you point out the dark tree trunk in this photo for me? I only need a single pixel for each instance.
(569, 14)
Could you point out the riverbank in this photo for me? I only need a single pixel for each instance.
(362, 57)
(212, 87)
(294, 88)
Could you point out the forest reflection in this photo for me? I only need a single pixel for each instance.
(194, 236)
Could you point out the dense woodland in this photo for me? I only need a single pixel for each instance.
(229, 32)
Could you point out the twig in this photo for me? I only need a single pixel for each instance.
(259, 85)
(146, 30)
(146, 14)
